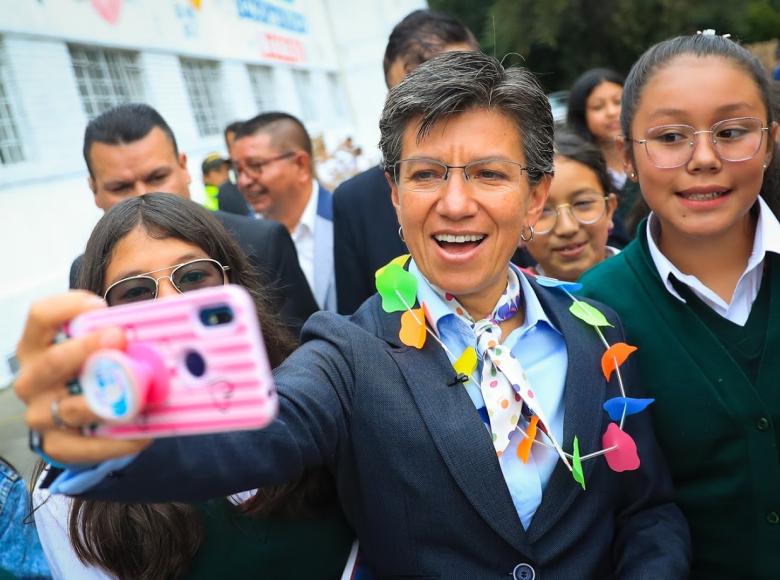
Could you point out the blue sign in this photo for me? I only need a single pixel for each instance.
(268, 13)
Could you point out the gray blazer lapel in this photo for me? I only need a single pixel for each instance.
(585, 391)
(458, 433)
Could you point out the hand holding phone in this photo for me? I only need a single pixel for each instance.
(194, 363)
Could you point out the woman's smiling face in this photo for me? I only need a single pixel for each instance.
(460, 235)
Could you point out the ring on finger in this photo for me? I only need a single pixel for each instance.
(56, 418)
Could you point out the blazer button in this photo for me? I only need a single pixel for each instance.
(523, 572)
(762, 424)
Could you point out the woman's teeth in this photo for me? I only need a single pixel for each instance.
(463, 239)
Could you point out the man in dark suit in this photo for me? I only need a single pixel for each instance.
(365, 229)
(130, 150)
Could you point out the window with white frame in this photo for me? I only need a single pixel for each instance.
(337, 95)
(263, 87)
(11, 150)
(204, 83)
(303, 86)
(106, 78)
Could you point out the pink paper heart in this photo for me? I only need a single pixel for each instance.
(625, 457)
(108, 9)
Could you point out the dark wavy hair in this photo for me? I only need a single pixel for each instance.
(152, 541)
(576, 115)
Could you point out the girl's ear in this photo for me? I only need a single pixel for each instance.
(624, 146)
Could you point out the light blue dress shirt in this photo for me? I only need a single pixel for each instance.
(541, 350)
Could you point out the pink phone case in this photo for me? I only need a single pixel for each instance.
(180, 374)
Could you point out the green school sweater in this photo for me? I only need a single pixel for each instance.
(238, 547)
(717, 427)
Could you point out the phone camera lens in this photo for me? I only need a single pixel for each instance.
(195, 363)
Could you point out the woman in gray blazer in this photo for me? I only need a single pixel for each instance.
(462, 409)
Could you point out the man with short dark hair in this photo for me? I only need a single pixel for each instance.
(365, 227)
(130, 150)
(272, 155)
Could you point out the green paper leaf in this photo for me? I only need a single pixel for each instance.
(576, 464)
(588, 314)
(393, 280)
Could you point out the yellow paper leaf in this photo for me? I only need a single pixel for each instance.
(466, 362)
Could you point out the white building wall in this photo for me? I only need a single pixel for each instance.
(46, 207)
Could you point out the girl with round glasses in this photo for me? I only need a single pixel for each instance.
(154, 246)
(571, 234)
(699, 291)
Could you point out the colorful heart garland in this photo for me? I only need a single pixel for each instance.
(398, 290)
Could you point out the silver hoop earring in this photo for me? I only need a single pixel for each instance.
(530, 236)
(401, 233)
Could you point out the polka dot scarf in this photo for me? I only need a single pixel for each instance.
(504, 383)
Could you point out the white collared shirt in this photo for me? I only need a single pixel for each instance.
(767, 239)
(303, 235)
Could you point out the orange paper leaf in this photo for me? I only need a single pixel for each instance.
(615, 356)
(413, 331)
(524, 449)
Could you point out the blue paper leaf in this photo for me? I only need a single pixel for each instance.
(614, 407)
(548, 282)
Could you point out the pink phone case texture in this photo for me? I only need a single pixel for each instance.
(235, 390)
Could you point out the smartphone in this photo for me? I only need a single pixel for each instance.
(194, 363)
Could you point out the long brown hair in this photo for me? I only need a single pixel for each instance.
(151, 541)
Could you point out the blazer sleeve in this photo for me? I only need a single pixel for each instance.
(652, 539)
(315, 387)
(351, 286)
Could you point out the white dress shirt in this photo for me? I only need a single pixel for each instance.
(767, 239)
(303, 235)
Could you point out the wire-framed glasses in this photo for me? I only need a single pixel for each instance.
(193, 275)
(484, 175)
(587, 209)
(670, 146)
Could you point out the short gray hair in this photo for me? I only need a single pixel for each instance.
(455, 82)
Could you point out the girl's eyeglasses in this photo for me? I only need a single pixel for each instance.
(193, 275)
(585, 210)
(670, 146)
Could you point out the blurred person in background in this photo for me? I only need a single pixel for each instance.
(215, 170)
(594, 115)
(131, 150)
(21, 555)
(571, 234)
(274, 162)
(230, 199)
(365, 227)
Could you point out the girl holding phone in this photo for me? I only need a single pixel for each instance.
(153, 246)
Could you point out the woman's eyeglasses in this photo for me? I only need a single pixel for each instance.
(585, 210)
(194, 275)
(670, 146)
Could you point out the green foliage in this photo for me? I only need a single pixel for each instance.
(560, 39)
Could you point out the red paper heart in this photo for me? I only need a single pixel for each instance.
(108, 9)
(625, 457)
